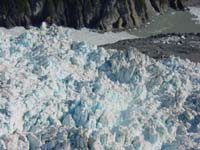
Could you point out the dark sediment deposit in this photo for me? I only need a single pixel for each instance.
(185, 46)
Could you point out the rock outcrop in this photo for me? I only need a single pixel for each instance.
(100, 14)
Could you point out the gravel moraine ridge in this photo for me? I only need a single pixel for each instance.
(185, 46)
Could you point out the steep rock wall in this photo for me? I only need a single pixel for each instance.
(101, 14)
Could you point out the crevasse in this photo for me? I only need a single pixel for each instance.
(58, 94)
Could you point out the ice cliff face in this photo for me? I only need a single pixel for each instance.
(56, 94)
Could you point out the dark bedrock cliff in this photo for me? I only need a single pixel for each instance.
(101, 14)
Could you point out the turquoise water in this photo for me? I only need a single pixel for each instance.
(173, 21)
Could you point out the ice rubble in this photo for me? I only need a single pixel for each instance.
(196, 12)
(56, 94)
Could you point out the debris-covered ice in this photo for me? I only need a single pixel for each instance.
(56, 94)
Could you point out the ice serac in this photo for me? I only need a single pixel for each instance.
(59, 94)
(101, 14)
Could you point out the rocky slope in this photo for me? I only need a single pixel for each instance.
(104, 14)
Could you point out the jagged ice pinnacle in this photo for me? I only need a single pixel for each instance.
(59, 94)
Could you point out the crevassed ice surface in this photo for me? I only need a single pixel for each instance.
(56, 94)
(196, 12)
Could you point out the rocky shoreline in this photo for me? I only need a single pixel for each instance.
(185, 46)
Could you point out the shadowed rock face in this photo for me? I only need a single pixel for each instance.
(100, 14)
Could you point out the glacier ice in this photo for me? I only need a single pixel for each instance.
(195, 11)
(60, 94)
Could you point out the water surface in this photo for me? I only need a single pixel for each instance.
(173, 21)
